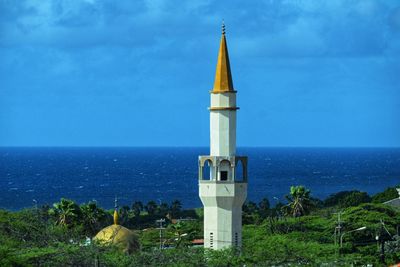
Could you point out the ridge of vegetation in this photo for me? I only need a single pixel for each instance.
(299, 232)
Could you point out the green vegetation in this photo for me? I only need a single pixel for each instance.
(347, 199)
(298, 233)
(389, 194)
(300, 202)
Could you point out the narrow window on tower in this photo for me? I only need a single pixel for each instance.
(206, 170)
(239, 171)
(223, 169)
(224, 175)
(211, 240)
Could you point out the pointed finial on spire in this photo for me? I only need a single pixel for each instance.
(223, 27)
(116, 210)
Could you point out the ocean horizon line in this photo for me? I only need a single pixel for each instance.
(207, 147)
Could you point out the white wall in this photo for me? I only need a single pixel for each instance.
(223, 125)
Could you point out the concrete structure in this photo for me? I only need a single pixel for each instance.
(224, 190)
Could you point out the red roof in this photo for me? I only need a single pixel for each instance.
(198, 241)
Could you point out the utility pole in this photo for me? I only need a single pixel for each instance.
(382, 240)
(338, 228)
(384, 233)
(161, 228)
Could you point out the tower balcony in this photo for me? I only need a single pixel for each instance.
(223, 169)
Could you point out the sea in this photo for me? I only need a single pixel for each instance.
(32, 177)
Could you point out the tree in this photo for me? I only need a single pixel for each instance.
(137, 207)
(151, 207)
(389, 194)
(336, 198)
(178, 234)
(370, 215)
(299, 201)
(249, 207)
(162, 210)
(354, 199)
(176, 208)
(67, 212)
(93, 217)
(123, 216)
(277, 210)
(250, 213)
(263, 207)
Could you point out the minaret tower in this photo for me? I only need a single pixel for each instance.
(224, 189)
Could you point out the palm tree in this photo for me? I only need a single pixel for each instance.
(163, 209)
(151, 207)
(263, 207)
(93, 217)
(137, 207)
(66, 211)
(176, 208)
(124, 215)
(249, 207)
(300, 202)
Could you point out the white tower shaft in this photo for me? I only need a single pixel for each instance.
(223, 124)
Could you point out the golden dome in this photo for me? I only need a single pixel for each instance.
(119, 236)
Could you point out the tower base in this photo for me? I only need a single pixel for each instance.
(223, 201)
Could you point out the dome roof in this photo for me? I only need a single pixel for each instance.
(120, 236)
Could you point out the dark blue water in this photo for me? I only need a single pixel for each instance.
(45, 175)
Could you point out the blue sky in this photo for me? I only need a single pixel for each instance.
(137, 73)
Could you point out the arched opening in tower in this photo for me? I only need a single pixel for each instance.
(239, 171)
(224, 170)
(207, 170)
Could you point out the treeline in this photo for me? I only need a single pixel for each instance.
(298, 232)
(89, 218)
(299, 202)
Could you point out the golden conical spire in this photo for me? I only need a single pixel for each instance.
(116, 211)
(223, 77)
